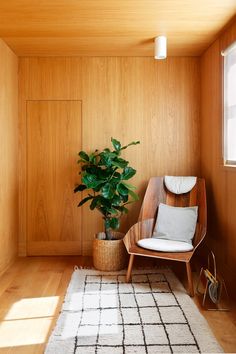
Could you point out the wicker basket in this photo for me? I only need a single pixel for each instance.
(110, 255)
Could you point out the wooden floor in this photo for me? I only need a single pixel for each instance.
(31, 295)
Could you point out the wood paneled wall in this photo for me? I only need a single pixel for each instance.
(156, 102)
(221, 181)
(8, 156)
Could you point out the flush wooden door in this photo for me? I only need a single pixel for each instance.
(53, 140)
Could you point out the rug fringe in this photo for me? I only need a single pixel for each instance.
(76, 267)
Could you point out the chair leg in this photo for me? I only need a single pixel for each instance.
(128, 274)
(190, 279)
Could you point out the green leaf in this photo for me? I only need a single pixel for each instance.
(108, 191)
(84, 200)
(128, 173)
(116, 144)
(104, 201)
(133, 143)
(114, 223)
(107, 223)
(95, 202)
(102, 210)
(121, 163)
(117, 175)
(93, 156)
(80, 188)
(87, 180)
(134, 196)
(129, 186)
(108, 154)
(114, 182)
(106, 158)
(122, 209)
(112, 211)
(84, 156)
(93, 170)
(116, 200)
(91, 181)
(104, 173)
(125, 198)
(122, 189)
(98, 188)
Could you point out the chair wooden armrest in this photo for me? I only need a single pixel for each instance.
(142, 229)
(200, 233)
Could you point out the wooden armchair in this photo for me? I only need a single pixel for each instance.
(157, 193)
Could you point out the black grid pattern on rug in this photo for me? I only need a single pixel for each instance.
(143, 316)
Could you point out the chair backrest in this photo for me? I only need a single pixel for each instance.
(157, 193)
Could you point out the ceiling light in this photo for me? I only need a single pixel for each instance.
(160, 47)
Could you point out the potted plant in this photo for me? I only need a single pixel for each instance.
(104, 174)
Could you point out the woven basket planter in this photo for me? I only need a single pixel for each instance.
(110, 255)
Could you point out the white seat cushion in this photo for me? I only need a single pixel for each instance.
(161, 245)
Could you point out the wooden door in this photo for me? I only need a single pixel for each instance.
(53, 140)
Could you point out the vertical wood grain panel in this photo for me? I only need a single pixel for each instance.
(142, 99)
(221, 181)
(53, 135)
(129, 99)
(8, 156)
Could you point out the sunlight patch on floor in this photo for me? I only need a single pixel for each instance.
(28, 321)
(33, 308)
(24, 332)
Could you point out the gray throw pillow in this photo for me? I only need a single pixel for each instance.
(176, 223)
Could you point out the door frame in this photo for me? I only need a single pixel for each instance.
(22, 170)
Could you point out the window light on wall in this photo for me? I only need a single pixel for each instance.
(229, 146)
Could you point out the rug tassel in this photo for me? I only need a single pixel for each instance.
(83, 267)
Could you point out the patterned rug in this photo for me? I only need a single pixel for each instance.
(102, 314)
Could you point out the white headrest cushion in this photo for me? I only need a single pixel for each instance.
(180, 185)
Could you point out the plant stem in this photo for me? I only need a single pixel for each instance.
(108, 230)
(108, 233)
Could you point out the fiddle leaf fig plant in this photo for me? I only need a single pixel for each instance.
(104, 175)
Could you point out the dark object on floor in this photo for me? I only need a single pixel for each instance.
(214, 286)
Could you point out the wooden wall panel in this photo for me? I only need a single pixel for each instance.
(8, 156)
(156, 102)
(53, 135)
(221, 181)
(142, 99)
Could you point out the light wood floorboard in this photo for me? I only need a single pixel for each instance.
(31, 295)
